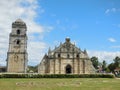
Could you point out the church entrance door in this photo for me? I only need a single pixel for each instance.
(68, 69)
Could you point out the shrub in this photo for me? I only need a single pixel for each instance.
(18, 75)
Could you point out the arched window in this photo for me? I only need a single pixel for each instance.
(59, 55)
(77, 55)
(18, 42)
(18, 31)
(68, 56)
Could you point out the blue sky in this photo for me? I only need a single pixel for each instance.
(93, 25)
(90, 23)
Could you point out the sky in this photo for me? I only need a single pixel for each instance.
(93, 25)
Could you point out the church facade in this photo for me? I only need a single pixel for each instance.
(66, 59)
(17, 52)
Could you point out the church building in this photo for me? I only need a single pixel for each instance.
(17, 53)
(66, 59)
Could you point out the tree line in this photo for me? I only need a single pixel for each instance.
(104, 67)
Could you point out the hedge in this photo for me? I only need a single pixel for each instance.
(17, 75)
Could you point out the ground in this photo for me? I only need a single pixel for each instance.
(60, 84)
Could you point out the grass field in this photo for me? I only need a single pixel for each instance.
(60, 84)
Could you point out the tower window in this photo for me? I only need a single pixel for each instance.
(59, 55)
(18, 42)
(68, 56)
(18, 31)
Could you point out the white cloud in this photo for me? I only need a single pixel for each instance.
(36, 51)
(117, 47)
(104, 55)
(112, 10)
(112, 40)
(10, 10)
(116, 25)
(107, 11)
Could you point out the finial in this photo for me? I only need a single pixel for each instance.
(60, 43)
(85, 52)
(67, 39)
(49, 49)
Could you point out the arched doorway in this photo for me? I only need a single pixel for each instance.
(68, 69)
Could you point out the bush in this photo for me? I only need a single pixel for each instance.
(0, 75)
(56, 75)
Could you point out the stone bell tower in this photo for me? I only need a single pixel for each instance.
(17, 53)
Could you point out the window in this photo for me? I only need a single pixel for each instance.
(18, 42)
(68, 56)
(77, 56)
(18, 31)
(59, 55)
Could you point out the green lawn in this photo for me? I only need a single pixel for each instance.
(60, 84)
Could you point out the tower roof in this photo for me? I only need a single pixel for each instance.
(19, 22)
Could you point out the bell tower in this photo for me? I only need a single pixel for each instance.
(17, 53)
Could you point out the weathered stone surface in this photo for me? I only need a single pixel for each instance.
(66, 59)
(17, 52)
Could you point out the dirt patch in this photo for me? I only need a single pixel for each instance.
(30, 84)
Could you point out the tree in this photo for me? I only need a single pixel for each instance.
(104, 67)
(111, 67)
(117, 62)
(95, 62)
(33, 68)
